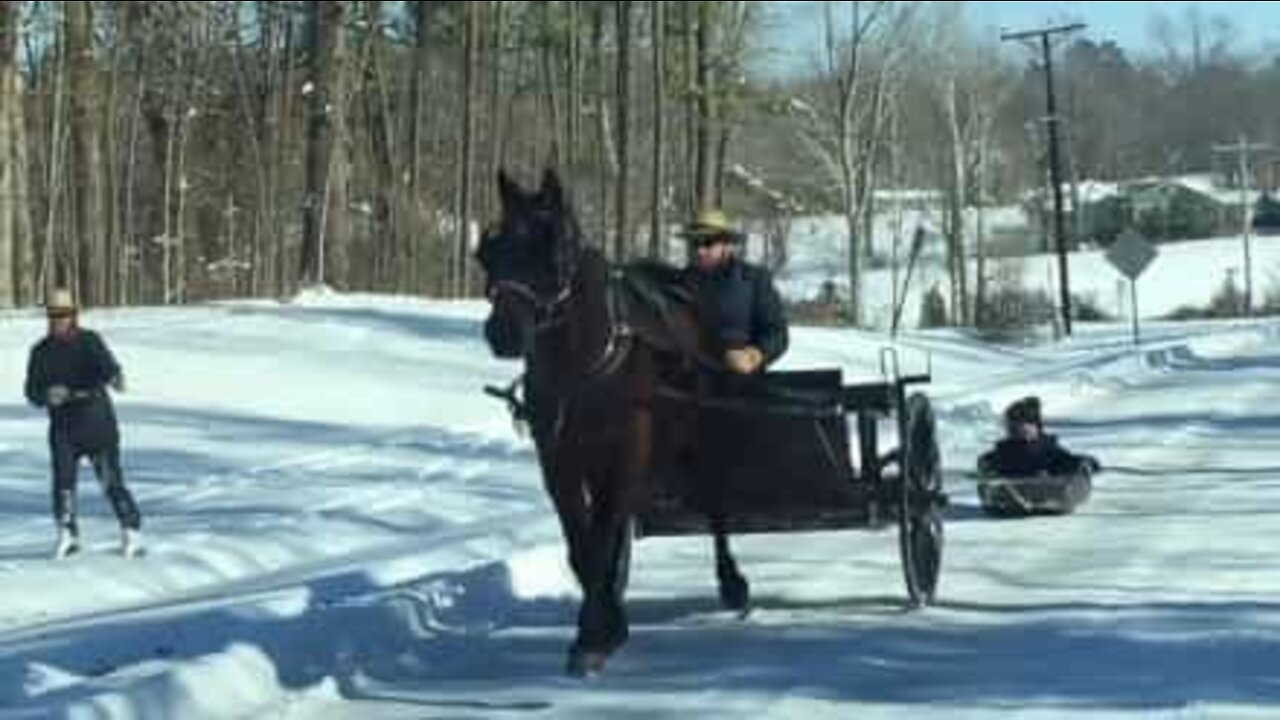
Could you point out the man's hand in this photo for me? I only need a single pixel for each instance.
(744, 361)
(117, 382)
(57, 395)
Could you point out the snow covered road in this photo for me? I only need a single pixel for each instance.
(341, 526)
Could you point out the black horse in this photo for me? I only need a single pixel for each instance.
(598, 341)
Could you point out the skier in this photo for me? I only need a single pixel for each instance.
(68, 373)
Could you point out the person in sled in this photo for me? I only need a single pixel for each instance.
(1027, 451)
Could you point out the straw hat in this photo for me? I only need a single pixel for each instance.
(60, 302)
(712, 223)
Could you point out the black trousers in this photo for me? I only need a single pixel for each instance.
(106, 465)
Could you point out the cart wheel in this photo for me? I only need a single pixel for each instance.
(920, 519)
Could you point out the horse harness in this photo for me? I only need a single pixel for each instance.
(625, 287)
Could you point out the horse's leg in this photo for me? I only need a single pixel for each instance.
(575, 504)
(616, 493)
(602, 624)
(735, 593)
(563, 479)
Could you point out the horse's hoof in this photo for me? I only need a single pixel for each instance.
(735, 595)
(585, 663)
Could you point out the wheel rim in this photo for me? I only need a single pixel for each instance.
(920, 521)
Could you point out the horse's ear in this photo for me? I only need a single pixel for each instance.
(552, 191)
(508, 190)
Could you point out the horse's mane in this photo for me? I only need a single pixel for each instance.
(651, 299)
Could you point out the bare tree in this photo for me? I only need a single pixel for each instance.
(606, 141)
(88, 198)
(497, 128)
(689, 91)
(410, 257)
(11, 175)
(970, 84)
(381, 132)
(622, 14)
(706, 181)
(325, 215)
(736, 20)
(471, 45)
(658, 218)
(573, 83)
(860, 64)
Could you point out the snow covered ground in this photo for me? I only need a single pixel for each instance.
(1183, 274)
(340, 525)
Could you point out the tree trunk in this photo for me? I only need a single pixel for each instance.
(326, 224)
(10, 116)
(89, 203)
(955, 199)
(705, 145)
(24, 237)
(410, 271)
(608, 166)
(573, 87)
(417, 76)
(17, 262)
(168, 237)
(622, 189)
(131, 253)
(53, 266)
(385, 224)
(689, 56)
(497, 89)
(731, 49)
(282, 142)
(658, 220)
(182, 121)
(257, 104)
(466, 159)
(546, 66)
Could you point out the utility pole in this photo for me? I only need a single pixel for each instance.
(1241, 149)
(1055, 159)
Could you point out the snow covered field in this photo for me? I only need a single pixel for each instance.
(340, 525)
(1183, 274)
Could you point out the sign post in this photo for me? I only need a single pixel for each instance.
(1132, 253)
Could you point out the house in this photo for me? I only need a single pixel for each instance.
(1165, 209)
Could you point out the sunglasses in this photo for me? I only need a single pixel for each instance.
(710, 241)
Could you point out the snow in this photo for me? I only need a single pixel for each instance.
(1183, 274)
(340, 525)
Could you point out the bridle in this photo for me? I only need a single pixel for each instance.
(552, 311)
(547, 312)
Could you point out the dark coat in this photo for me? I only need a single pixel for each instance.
(83, 364)
(739, 306)
(1022, 458)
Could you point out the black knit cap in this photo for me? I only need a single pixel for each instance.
(1026, 410)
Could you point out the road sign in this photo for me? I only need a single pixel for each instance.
(1131, 253)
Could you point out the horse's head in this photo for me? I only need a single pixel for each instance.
(529, 257)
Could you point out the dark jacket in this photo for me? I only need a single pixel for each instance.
(739, 306)
(83, 364)
(1022, 458)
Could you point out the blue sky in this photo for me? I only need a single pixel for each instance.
(796, 25)
(1129, 23)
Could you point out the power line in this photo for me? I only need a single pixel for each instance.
(1055, 157)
